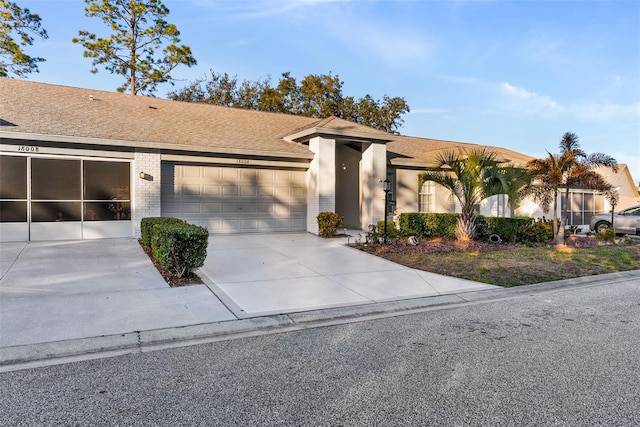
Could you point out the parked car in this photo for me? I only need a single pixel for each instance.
(626, 221)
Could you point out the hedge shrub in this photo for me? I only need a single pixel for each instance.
(392, 230)
(539, 231)
(180, 247)
(424, 224)
(328, 223)
(506, 228)
(147, 224)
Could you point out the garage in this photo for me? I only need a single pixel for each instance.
(227, 199)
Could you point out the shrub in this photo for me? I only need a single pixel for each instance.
(539, 231)
(423, 224)
(180, 247)
(328, 223)
(392, 231)
(506, 228)
(147, 224)
(608, 236)
(372, 235)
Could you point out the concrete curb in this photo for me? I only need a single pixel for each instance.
(15, 357)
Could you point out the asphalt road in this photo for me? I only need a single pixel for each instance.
(569, 357)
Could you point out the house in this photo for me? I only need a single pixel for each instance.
(82, 164)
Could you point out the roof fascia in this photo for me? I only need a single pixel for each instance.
(149, 145)
(307, 134)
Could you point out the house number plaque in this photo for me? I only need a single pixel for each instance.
(28, 149)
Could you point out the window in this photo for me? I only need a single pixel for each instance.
(107, 196)
(13, 189)
(426, 197)
(63, 189)
(582, 205)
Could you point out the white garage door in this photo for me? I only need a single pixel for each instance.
(235, 200)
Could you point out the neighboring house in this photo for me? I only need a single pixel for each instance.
(82, 164)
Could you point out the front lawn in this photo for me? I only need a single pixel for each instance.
(507, 264)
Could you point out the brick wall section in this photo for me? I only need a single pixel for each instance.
(147, 199)
(321, 181)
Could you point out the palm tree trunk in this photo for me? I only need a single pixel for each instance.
(466, 226)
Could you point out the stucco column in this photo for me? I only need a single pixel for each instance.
(321, 180)
(373, 172)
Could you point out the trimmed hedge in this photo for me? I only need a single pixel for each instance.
(328, 223)
(506, 228)
(180, 247)
(147, 224)
(425, 224)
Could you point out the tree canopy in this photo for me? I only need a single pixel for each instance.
(17, 28)
(316, 95)
(139, 29)
(571, 168)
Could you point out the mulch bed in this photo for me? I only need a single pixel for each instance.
(169, 276)
(443, 245)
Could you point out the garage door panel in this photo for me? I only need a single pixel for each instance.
(190, 190)
(265, 208)
(281, 210)
(236, 200)
(187, 172)
(230, 207)
(248, 208)
(212, 208)
(248, 174)
(191, 208)
(230, 174)
(266, 192)
(230, 190)
(212, 190)
(211, 173)
(298, 223)
(213, 225)
(248, 191)
(265, 175)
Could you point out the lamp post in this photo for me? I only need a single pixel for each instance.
(613, 199)
(386, 186)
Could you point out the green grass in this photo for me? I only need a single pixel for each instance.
(524, 266)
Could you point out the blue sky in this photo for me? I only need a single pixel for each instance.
(516, 74)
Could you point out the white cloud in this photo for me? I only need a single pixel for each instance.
(526, 101)
(603, 112)
(531, 102)
(396, 46)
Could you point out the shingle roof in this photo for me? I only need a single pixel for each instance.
(39, 108)
(59, 110)
(409, 149)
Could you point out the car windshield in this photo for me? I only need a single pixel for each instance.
(631, 211)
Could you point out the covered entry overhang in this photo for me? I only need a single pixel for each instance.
(345, 174)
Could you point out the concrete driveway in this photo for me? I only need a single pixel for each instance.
(263, 274)
(55, 291)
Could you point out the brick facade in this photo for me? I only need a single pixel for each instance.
(147, 200)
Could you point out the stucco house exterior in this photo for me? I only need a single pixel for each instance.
(81, 164)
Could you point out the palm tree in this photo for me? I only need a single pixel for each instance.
(572, 168)
(471, 178)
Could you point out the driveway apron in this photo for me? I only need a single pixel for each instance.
(263, 274)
